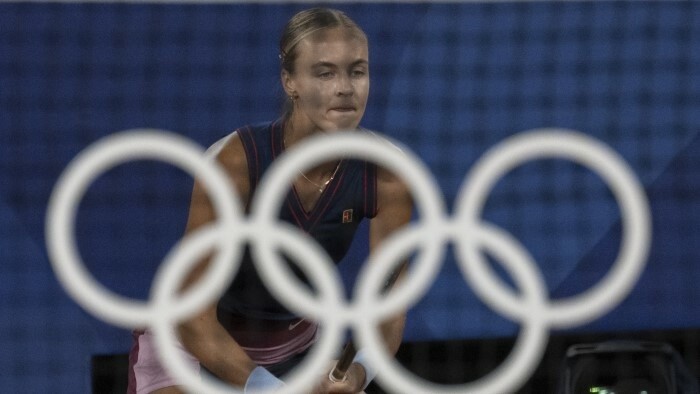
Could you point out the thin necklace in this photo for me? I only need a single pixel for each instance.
(323, 186)
(319, 187)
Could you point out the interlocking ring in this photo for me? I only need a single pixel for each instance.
(531, 307)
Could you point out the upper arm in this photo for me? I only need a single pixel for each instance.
(394, 210)
(232, 158)
(394, 207)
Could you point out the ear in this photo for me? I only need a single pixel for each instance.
(288, 83)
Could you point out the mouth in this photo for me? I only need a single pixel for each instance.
(343, 109)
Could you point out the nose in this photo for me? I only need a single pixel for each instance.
(345, 86)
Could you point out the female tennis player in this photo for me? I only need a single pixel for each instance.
(248, 338)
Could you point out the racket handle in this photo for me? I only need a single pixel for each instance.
(345, 360)
(343, 364)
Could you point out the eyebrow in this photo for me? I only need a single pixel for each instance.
(329, 64)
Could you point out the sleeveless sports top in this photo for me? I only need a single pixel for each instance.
(332, 222)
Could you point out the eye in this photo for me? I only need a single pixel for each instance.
(358, 73)
(325, 74)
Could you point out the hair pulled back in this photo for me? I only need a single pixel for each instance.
(302, 25)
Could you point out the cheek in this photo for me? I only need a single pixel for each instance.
(366, 88)
(317, 96)
(362, 90)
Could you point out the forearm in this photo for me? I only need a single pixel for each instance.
(361, 371)
(392, 329)
(216, 351)
(392, 332)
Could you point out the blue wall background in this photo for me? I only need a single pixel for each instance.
(448, 80)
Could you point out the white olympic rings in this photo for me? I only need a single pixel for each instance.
(531, 307)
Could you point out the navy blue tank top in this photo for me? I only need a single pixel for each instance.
(350, 197)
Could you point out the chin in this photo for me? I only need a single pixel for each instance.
(346, 121)
(347, 125)
(332, 128)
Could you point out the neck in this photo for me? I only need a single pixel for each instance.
(295, 131)
(296, 128)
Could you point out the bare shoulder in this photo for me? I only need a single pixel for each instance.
(230, 152)
(232, 157)
(391, 187)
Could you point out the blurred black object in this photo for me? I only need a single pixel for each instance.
(626, 367)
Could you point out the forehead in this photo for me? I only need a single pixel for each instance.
(334, 45)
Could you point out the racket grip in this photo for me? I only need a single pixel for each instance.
(343, 364)
(348, 355)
